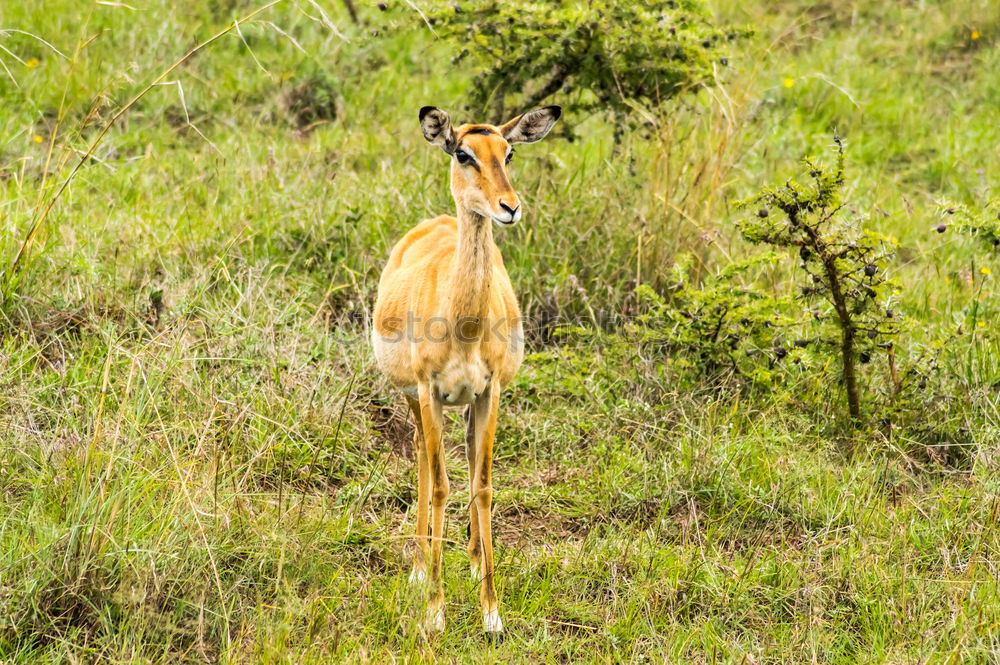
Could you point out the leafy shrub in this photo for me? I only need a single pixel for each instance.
(844, 265)
(609, 55)
(719, 328)
(981, 222)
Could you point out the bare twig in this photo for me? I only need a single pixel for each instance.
(349, 5)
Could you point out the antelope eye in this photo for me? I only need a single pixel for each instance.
(509, 156)
(462, 157)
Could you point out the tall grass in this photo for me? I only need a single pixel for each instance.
(200, 464)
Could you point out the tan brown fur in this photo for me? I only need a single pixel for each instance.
(447, 331)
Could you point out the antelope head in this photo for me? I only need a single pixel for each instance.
(481, 154)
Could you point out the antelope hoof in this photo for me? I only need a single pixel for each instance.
(492, 623)
(434, 622)
(418, 576)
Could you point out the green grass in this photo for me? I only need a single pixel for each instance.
(201, 463)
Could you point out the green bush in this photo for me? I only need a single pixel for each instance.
(602, 55)
(843, 263)
(721, 328)
(981, 221)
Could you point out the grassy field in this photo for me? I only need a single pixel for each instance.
(201, 464)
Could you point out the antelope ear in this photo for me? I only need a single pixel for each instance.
(436, 126)
(531, 126)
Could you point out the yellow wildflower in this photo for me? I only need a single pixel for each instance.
(788, 82)
(31, 63)
(986, 271)
(981, 324)
(38, 139)
(975, 34)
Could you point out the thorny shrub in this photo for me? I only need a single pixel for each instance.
(601, 56)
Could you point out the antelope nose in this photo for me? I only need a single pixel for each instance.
(509, 209)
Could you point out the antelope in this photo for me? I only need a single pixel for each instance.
(447, 332)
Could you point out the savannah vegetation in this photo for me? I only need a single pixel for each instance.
(758, 418)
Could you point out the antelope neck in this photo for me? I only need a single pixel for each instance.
(471, 270)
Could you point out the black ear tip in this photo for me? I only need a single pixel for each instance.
(556, 111)
(425, 110)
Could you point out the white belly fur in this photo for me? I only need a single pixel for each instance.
(459, 383)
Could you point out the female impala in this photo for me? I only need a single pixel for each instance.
(448, 333)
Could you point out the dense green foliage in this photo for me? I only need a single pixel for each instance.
(603, 56)
(845, 265)
(720, 329)
(981, 221)
(201, 464)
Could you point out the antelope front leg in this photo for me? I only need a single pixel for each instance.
(485, 417)
(418, 575)
(475, 554)
(431, 418)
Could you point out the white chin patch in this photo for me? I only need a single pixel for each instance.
(492, 622)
